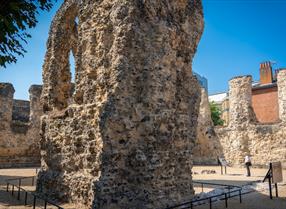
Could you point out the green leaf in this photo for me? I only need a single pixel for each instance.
(16, 16)
(216, 114)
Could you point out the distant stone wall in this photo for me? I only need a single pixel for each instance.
(19, 128)
(244, 135)
(21, 110)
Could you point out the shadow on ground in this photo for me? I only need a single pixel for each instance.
(254, 200)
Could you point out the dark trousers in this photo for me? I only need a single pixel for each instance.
(248, 169)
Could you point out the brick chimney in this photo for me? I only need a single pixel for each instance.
(266, 75)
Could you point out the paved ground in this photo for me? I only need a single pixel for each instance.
(6, 199)
(235, 176)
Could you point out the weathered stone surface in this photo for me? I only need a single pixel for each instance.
(281, 82)
(19, 134)
(207, 148)
(124, 139)
(6, 101)
(240, 104)
(21, 110)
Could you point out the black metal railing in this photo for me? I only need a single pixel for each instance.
(17, 188)
(223, 186)
(232, 191)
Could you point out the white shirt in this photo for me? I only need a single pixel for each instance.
(247, 159)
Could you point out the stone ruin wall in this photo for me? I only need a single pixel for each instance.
(207, 148)
(19, 127)
(124, 138)
(244, 135)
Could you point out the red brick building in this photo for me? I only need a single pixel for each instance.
(265, 95)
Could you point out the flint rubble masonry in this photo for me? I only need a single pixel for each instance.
(244, 135)
(207, 148)
(124, 138)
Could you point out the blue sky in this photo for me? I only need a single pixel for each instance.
(238, 35)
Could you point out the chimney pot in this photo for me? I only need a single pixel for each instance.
(266, 75)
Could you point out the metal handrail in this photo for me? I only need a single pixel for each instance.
(215, 184)
(225, 196)
(35, 196)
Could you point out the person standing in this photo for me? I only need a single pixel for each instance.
(247, 161)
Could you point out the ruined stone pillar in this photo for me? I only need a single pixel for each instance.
(6, 105)
(241, 115)
(240, 101)
(127, 140)
(281, 82)
(36, 109)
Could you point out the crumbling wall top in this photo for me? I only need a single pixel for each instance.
(6, 90)
(18, 110)
(240, 101)
(238, 78)
(35, 90)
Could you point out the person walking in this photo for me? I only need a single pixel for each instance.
(247, 161)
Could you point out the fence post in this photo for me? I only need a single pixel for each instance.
(34, 202)
(26, 197)
(240, 200)
(276, 189)
(12, 189)
(33, 180)
(270, 188)
(7, 187)
(19, 189)
(225, 197)
(45, 207)
(210, 203)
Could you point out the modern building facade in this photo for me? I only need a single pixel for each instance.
(265, 95)
(202, 80)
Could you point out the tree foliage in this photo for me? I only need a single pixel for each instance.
(16, 16)
(216, 114)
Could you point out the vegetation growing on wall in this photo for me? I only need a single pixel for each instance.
(216, 114)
